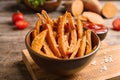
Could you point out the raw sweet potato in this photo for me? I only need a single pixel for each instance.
(109, 10)
(92, 5)
(93, 17)
(77, 7)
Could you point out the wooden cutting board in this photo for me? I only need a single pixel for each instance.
(105, 65)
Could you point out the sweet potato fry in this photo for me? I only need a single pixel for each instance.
(42, 53)
(89, 43)
(61, 40)
(48, 20)
(43, 20)
(73, 33)
(93, 17)
(47, 50)
(51, 41)
(71, 21)
(37, 43)
(81, 50)
(79, 27)
(34, 34)
(73, 55)
(109, 10)
(66, 37)
(37, 27)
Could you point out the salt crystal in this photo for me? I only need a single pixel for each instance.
(104, 68)
(106, 60)
(110, 58)
(93, 62)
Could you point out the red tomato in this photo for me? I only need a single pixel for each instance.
(17, 16)
(116, 24)
(22, 24)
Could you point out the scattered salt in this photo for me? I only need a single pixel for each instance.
(93, 62)
(103, 68)
(110, 58)
(106, 60)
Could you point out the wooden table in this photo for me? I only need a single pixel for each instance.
(12, 39)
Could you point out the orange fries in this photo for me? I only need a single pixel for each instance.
(61, 38)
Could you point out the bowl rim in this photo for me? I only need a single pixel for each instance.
(60, 59)
(106, 30)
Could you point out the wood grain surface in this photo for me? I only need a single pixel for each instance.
(12, 39)
(90, 72)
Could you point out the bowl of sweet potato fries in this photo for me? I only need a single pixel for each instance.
(61, 46)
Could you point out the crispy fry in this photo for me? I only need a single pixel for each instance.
(51, 41)
(70, 21)
(66, 37)
(81, 50)
(37, 43)
(43, 21)
(34, 34)
(42, 53)
(48, 20)
(94, 47)
(79, 27)
(61, 40)
(76, 49)
(48, 51)
(89, 43)
(37, 27)
(73, 34)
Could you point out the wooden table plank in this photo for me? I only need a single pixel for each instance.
(90, 72)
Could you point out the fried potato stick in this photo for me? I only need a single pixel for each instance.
(43, 20)
(81, 50)
(73, 33)
(47, 50)
(37, 42)
(48, 20)
(73, 55)
(37, 27)
(61, 40)
(51, 41)
(89, 43)
(79, 27)
(34, 34)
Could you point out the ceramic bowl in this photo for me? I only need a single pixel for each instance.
(102, 35)
(62, 66)
(49, 5)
